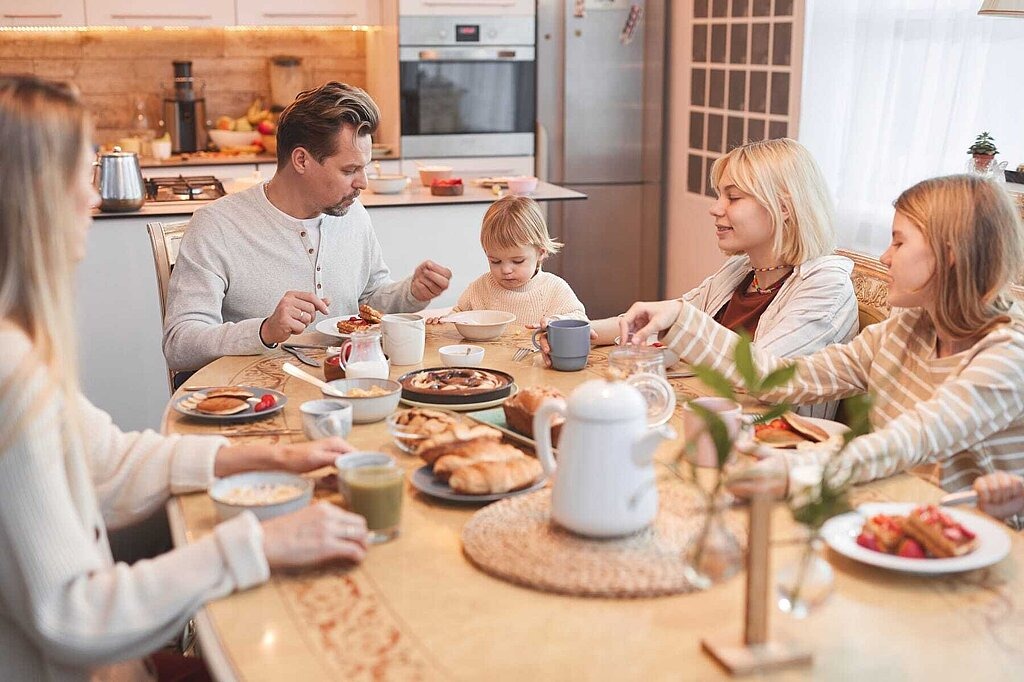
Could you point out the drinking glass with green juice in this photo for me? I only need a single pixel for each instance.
(375, 493)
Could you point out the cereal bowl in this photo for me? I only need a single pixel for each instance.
(524, 184)
(368, 408)
(461, 355)
(265, 493)
(430, 173)
(482, 325)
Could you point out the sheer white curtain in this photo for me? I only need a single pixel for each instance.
(895, 91)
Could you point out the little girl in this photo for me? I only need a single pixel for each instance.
(516, 241)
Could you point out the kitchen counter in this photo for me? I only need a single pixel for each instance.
(414, 195)
(207, 159)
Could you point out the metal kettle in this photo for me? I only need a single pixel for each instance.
(118, 179)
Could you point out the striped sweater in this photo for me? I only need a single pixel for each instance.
(949, 419)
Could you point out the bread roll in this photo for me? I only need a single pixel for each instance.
(487, 478)
(484, 450)
(431, 449)
(520, 408)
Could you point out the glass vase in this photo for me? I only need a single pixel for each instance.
(805, 583)
(715, 553)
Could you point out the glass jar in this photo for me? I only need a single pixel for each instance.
(629, 360)
(362, 357)
(715, 553)
(806, 583)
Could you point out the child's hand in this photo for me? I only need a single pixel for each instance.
(433, 320)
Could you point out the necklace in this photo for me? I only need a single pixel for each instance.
(774, 267)
(758, 289)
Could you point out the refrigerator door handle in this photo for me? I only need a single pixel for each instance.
(540, 153)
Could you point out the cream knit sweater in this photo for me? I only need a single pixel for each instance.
(67, 612)
(545, 295)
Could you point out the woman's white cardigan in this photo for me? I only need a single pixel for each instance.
(67, 611)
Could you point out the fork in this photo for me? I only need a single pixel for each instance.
(523, 353)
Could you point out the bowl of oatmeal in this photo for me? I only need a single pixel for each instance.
(372, 399)
(265, 493)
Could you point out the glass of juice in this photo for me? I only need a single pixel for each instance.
(375, 493)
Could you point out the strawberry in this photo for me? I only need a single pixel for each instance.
(911, 549)
(868, 541)
(265, 403)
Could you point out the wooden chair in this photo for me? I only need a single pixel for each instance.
(870, 287)
(165, 238)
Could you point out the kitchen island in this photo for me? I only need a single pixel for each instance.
(118, 312)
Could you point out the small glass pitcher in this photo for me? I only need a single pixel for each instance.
(365, 359)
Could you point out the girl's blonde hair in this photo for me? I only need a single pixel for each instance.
(974, 232)
(44, 130)
(515, 221)
(783, 177)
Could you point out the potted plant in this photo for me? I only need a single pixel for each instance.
(983, 150)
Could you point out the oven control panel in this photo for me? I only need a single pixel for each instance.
(463, 30)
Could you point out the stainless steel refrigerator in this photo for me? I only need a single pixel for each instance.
(600, 106)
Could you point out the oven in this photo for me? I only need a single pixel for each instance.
(468, 86)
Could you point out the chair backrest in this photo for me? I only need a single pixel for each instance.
(165, 238)
(870, 287)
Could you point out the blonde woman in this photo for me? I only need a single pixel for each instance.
(946, 368)
(782, 284)
(515, 240)
(67, 473)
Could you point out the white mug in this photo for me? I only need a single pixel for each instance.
(325, 418)
(700, 447)
(404, 336)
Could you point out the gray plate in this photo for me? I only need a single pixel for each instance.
(423, 480)
(246, 415)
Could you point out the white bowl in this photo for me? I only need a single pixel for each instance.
(220, 490)
(367, 410)
(354, 460)
(430, 173)
(524, 184)
(387, 184)
(461, 355)
(234, 138)
(482, 325)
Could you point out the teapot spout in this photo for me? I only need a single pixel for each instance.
(646, 444)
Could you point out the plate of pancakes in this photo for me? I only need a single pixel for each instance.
(228, 403)
(366, 319)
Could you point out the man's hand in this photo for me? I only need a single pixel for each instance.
(430, 280)
(644, 319)
(294, 312)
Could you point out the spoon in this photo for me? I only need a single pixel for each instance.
(294, 371)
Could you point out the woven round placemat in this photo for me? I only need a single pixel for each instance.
(515, 540)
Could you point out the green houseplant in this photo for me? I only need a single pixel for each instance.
(983, 150)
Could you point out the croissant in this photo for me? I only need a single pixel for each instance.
(484, 478)
(431, 449)
(483, 450)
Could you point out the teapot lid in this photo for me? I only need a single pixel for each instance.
(117, 153)
(603, 400)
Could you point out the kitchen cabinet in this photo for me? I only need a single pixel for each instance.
(308, 12)
(465, 7)
(42, 13)
(160, 13)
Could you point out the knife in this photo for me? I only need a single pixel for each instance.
(301, 357)
(965, 497)
(307, 345)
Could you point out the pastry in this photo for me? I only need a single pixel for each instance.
(422, 421)
(228, 392)
(520, 408)
(435, 447)
(480, 450)
(369, 314)
(789, 431)
(887, 532)
(488, 478)
(353, 324)
(940, 535)
(463, 380)
(222, 405)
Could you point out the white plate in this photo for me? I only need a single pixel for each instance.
(841, 533)
(244, 415)
(329, 325)
(746, 443)
(423, 480)
(464, 407)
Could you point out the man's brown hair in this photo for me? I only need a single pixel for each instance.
(313, 120)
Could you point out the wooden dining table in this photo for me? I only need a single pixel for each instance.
(417, 609)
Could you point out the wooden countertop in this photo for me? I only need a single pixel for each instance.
(416, 608)
(414, 195)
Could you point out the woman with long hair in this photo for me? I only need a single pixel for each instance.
(946, 368)
(67, 474)
(782, 284)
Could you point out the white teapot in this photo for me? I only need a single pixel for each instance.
(604, 485)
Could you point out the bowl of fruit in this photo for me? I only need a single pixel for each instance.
(247, 133)
(447, 187)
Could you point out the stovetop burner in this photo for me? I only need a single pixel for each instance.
(184, 188)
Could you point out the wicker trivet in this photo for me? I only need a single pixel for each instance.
(515, 540)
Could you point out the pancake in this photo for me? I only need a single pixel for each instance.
(228, 392)
(222, 405)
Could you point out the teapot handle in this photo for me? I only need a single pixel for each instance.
(542, 432)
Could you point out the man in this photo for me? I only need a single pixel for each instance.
(260, 265)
